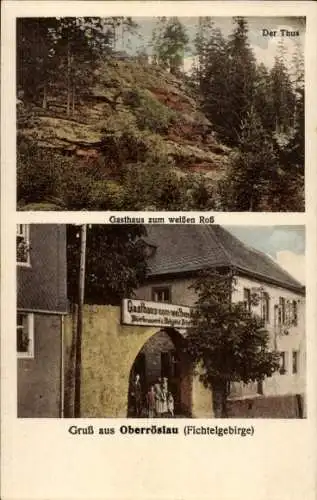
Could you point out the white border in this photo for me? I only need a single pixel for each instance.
(278, 463)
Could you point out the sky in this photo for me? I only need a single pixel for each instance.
(264, 47)
(285, 244)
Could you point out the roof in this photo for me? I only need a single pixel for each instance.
(188, 248)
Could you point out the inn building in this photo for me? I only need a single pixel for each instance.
(119, 343)
(178, 253)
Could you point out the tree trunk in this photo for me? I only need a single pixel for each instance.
(70, 369)
(68, 80)
(44, 102)
(220, 396)
(73, 98)
(224, 398)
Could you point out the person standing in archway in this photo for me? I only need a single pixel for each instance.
(164, 395)
(158, 398)
(137, 395)
(170, 404)
(150, 399)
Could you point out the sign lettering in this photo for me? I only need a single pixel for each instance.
(146, 313)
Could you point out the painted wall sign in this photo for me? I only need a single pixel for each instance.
(146, 313)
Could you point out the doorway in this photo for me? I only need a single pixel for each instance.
(164, 356)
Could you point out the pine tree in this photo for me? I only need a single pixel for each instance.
(204, 33)
(36, 61)
(213, 82)
(283, 95)
(241, 78)
(263, 98)
(170, 41)
(253, 168)
(57, 56)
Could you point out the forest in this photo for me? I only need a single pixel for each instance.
(101, 127)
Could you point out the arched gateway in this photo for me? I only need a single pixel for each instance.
(164, 356)
(112, 348)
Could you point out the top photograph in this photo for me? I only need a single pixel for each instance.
(160, 113)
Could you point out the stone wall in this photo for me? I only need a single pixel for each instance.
(289, 406)
(109, 350)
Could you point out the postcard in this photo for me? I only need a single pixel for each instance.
(158, 250)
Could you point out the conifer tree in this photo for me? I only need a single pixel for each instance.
(58, 55)
(213, 82)
(241, 77)
(283, 94)
(263, 98)
(170, 41)
(253, 168)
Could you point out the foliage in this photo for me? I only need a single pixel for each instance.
(253, 168)
(22, 251)
(37, 173)
(258, 113)
(68, 46)
(169, 44)
(150, 113)
(226, 339)
(200, 195)
(115, 262)
(153, 186)
(106, 195)
(246, 102)
(283, 96)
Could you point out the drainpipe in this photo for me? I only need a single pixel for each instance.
(81, 293)
(62, 389)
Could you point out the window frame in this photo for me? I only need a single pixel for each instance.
(247, 298)
(296, 360)
(294, 312)
(25, 235)
(161, 289)
(283, 363)
(281, 310)
(29, 354)
(265, 308)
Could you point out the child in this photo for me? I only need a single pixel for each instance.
(150, 398)
(170, 404)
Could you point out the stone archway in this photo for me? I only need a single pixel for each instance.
(109, 351)
(163, 355)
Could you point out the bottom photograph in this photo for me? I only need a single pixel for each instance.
(160, 321)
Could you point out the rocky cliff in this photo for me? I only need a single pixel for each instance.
(135, 100)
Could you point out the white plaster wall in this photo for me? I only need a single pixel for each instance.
(287, 383)
(278, 384)
(181, 293)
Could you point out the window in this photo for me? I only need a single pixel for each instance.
(294, 313)
(295, 362)
(276, 314)
(247, 298)
(23, 244)
(162, 294)
(283, 363)
(281, 311)
(265, 311)
(25, 335)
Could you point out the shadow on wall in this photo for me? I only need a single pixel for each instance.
(287, 406)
